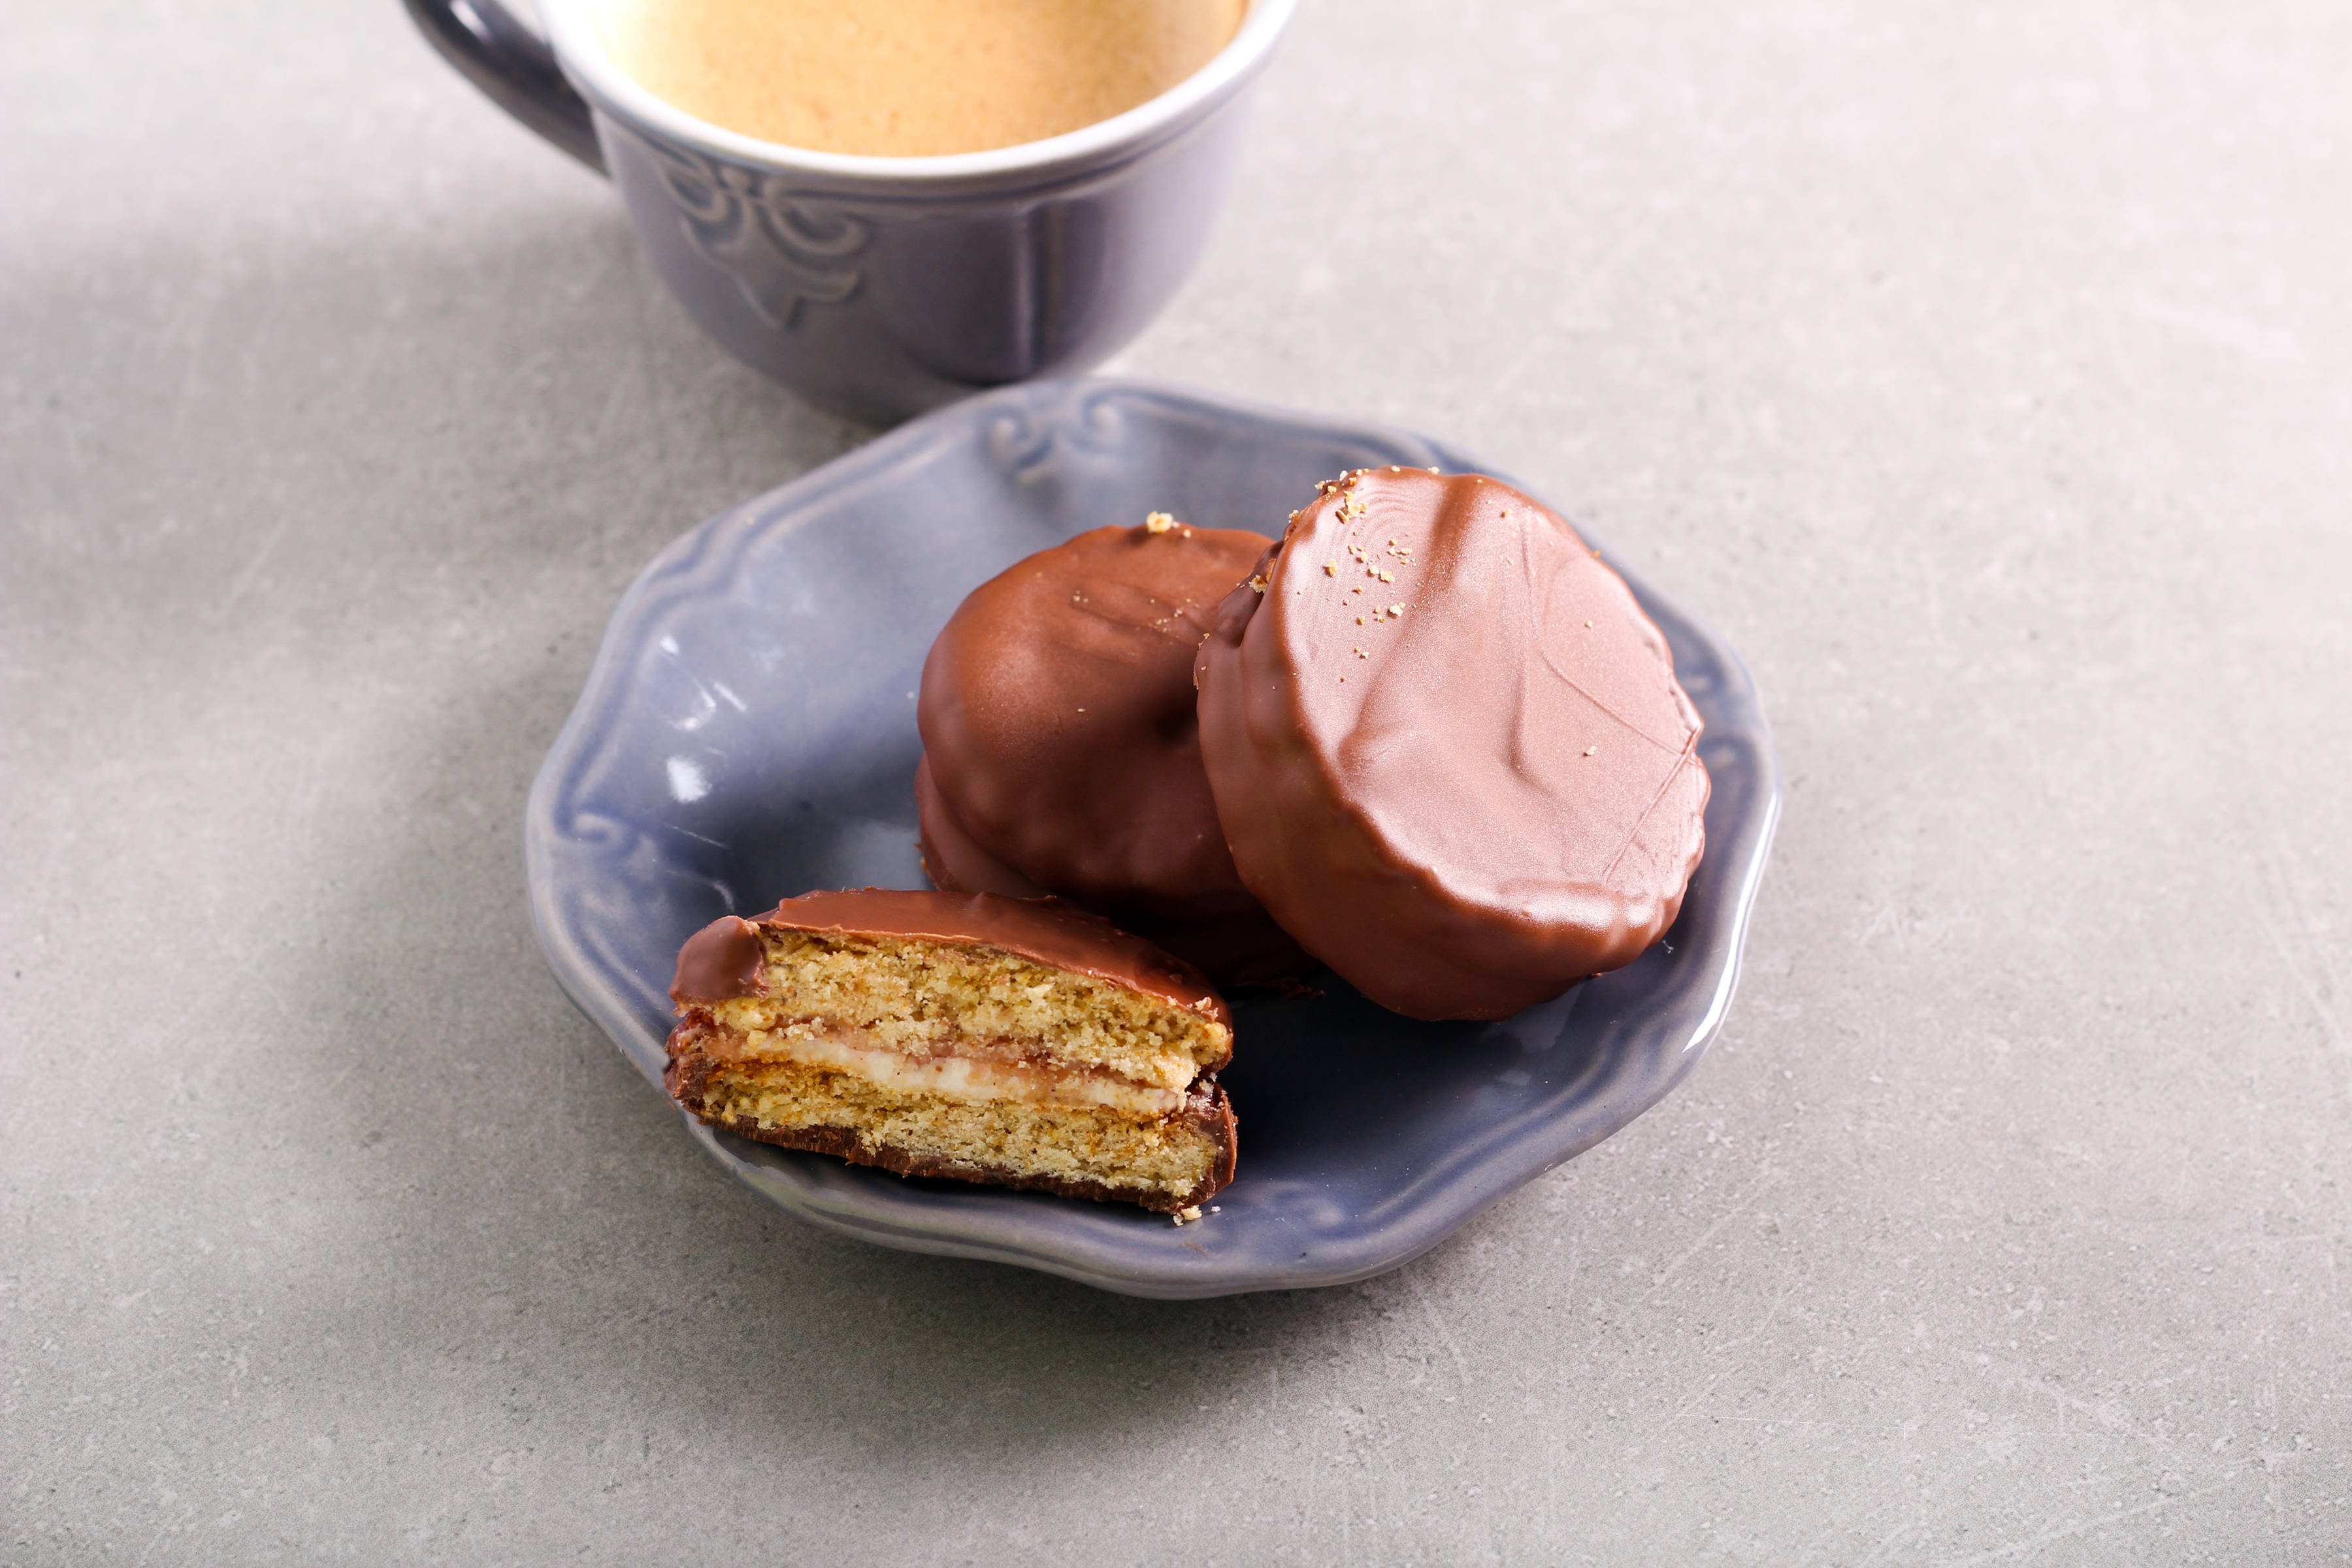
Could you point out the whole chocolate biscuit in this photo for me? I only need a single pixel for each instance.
(1061, 747)
(1447, 748)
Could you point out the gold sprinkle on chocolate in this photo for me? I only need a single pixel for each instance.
(1158, 522)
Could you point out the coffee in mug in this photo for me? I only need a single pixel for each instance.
(910, 77)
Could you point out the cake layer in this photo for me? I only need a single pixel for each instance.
(1048, 982)
(1165, 1164)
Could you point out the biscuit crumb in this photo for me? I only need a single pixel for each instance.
(1192, 1214)
(1433, 468)
(1330, 568)
(1257, 585)
(1359, 620)
(1387, 576)
(1588, 624)
(1590, 750)
(1396, 609)
(1159, 522)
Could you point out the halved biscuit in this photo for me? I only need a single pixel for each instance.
(1016, 1042)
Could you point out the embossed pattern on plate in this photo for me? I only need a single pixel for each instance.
(747, 731)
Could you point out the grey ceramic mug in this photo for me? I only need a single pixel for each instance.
(881, 286)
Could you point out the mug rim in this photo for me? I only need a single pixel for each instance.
(579, 50)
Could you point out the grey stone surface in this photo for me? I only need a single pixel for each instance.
(1980, 371)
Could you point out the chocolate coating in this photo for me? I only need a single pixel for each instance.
(722, 960)
(1468, 804)
(952, 859)
(1061, 743)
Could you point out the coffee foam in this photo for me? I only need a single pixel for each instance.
(910, 77)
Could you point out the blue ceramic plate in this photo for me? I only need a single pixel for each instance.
(749, 732)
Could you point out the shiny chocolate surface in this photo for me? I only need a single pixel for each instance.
(1447, 747)
(1061, 749)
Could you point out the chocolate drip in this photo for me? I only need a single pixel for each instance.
(725, 958)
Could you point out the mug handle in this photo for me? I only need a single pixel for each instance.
(514, 66)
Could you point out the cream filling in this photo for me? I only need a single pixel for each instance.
(953, 1075)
